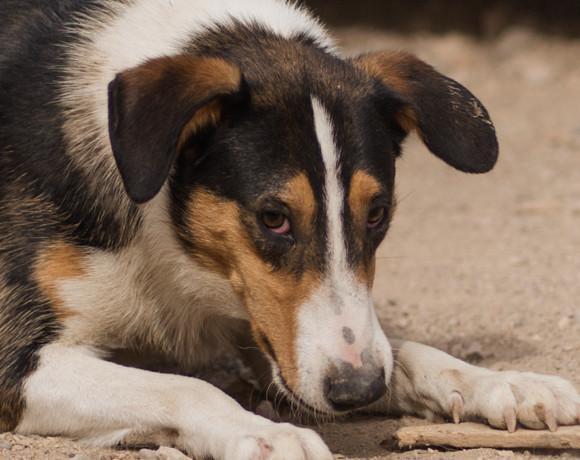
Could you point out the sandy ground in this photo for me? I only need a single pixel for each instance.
(487, 267)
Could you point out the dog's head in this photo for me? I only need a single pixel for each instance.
(281, 169)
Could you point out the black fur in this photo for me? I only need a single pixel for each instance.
(452, 122)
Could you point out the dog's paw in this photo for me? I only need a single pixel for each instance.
(278, 442)
(504, 399)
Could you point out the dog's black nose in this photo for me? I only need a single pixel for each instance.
(347, 388)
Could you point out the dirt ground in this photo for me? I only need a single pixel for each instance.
(484, 267)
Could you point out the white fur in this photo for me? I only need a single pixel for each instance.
(334, 193)
(341, 301)
(151, 293)
(76, 394)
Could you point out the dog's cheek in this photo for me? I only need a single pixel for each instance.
(220, 243)
(213, 232)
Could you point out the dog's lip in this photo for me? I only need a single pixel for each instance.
(281, 382)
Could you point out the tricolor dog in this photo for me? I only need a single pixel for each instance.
(174, 173)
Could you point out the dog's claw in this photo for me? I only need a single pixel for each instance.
(511, 420)
(457, 407)
(552, 423)
(546, 416)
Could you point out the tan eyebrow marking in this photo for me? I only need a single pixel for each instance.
(299, 196)
(363, 187)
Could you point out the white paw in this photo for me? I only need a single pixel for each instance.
(504, 399)
(275, 441)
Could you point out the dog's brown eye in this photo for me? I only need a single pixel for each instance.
(376, 217)
(276, 222)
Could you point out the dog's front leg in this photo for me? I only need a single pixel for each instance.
(429, 382)
(74, 393)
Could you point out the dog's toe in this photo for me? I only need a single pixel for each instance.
(535, 401)
(278, 442)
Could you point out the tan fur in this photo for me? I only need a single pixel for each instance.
(299, 196)
(363, 187)
(58, 262)
(196, 76)
(391, 67)
(209, 115)
(272, 298)
(388, 66)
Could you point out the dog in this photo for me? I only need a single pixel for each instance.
(180, 175)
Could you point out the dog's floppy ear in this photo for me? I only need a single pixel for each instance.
(155, 107)
(452, 123)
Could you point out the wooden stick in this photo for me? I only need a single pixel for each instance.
(474, 435)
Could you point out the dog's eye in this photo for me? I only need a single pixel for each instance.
(376, 217)
(276, 222)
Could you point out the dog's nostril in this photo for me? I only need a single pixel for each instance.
(347, 388)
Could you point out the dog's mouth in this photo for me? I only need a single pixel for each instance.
(295, 400)
(281, 384)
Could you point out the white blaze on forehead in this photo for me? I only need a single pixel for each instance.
(334, 195)
(341, 301)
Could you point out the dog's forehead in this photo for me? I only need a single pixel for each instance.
(273, 138)
(359, 131)
(276, 144)
(281, 77)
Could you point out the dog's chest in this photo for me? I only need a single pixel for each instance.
(137, 298)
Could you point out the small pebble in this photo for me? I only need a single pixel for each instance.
(564, 322)
(403, 323)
